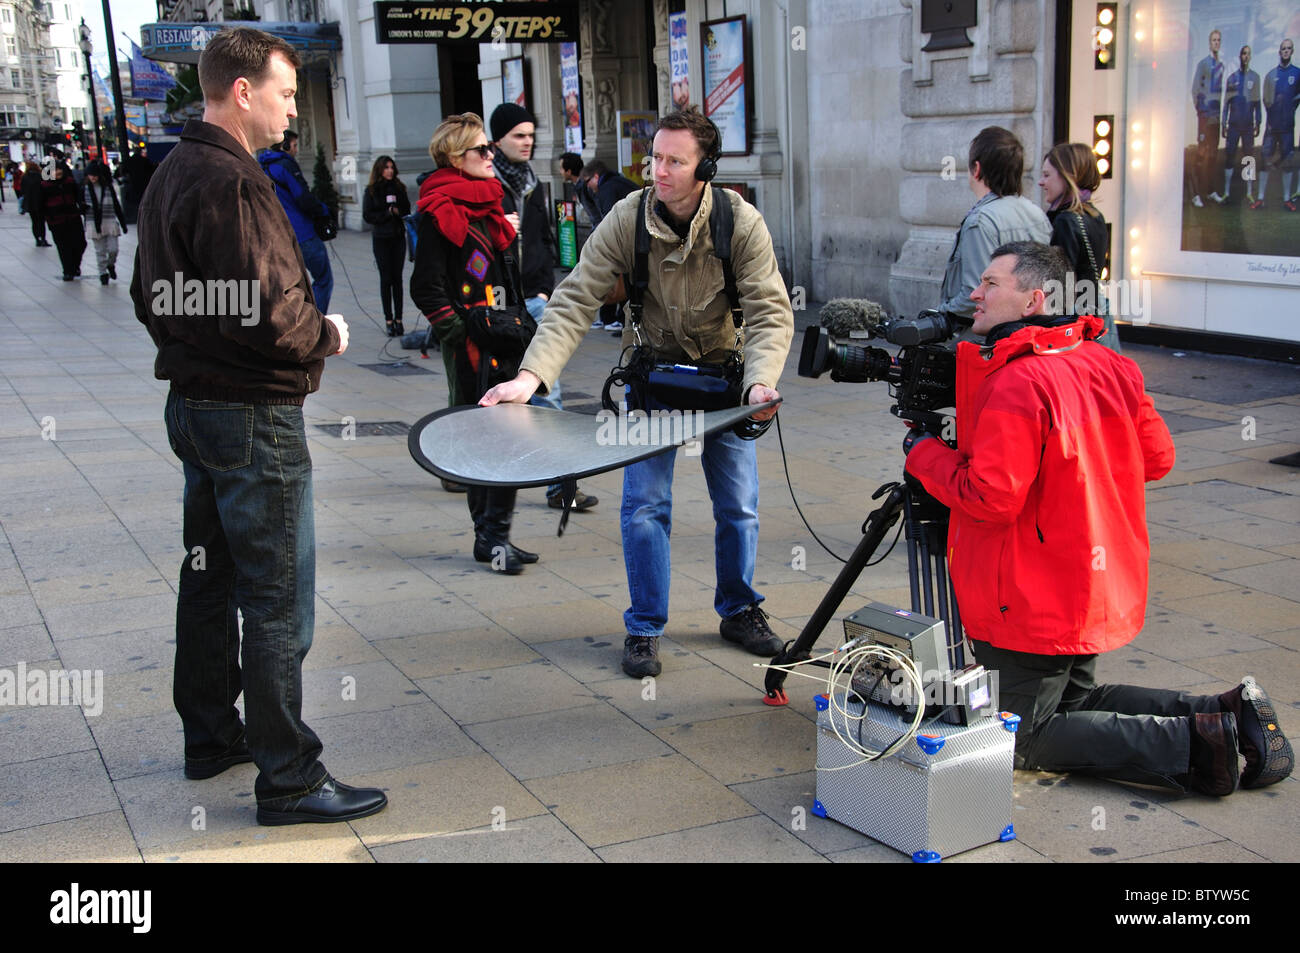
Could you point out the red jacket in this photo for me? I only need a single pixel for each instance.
(1047, 542)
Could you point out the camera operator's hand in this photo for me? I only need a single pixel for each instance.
(516, 391)
(914, 436)
(342, 327)
(759, 394)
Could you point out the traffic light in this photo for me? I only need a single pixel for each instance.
(78, 131)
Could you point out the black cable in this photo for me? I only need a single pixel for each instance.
(384, 356)
(786, 466)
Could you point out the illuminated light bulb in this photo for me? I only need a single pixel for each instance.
(1102, 148)
(1105, 274)
(1106, 17)
(1137, 127)
(1104, 37)
(1139, 35)
(1132, 233)
(1137, 143)
(1103, 128)
(1136, 163)
(1135, 270)
(1134, 251)
(1103, 56)
(1103, 166)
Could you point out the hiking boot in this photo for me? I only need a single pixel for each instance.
(641, 656)
(1214, 768)
(581, 502)
(749, 628)
(1268, 754)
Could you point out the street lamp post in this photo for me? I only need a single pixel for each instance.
(86, 48)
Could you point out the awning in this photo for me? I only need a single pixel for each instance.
(183, 42)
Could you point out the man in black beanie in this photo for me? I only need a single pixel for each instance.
(525, 205)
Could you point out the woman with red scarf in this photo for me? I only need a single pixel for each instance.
(459, 265)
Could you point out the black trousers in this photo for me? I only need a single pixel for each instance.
(1070, 723)
(390, 256)
(70, 239)
(38, 225)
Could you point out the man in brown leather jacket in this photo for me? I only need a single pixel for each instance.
(220, 284)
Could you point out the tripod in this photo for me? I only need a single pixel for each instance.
(925, 524)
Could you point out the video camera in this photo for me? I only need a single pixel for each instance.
(923, 373)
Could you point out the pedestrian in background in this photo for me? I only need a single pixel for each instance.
(104, 218)
(61, 203)
(32, 203)
(1069, 179)
(385, 206)
(303, 209)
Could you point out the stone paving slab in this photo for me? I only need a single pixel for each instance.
(494, 711)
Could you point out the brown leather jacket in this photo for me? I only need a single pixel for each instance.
(220, 282)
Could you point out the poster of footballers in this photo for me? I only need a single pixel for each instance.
(1241, 168)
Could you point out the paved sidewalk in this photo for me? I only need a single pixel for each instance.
(473, 698)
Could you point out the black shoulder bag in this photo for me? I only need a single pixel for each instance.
(501, 333)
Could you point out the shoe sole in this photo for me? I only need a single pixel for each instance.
(651, 672)
(1277, 758)
(284, 818)
(202, 773)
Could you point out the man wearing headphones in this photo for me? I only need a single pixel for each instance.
(687, 319)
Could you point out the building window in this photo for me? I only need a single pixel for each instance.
(11, 46)
(15, 78)
(6, 15)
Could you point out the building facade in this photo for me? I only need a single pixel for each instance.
(848, 123)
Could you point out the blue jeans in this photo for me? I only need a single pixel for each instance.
(731, 472)
(317, 258)
(248, 504)
(553, 398)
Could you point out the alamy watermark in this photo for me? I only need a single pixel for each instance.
(38, 686)
(655, 428)
(1129, 299)
(213, 297)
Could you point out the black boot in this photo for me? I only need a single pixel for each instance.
(388, 323)
(397, 324)
(492, 510)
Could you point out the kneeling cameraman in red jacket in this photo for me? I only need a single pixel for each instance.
(1048, 544)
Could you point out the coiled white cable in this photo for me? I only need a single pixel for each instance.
(844, 664)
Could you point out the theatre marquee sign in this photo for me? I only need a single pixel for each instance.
(475, 23)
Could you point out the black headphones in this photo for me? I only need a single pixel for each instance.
(708, 166)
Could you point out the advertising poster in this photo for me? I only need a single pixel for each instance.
(567, 229)
(1241, 169)
(726, 91)
(514, 88)
(148, 79)
(679, 60)
(636, 131)
(572, 98)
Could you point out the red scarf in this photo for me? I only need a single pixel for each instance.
(454, 200)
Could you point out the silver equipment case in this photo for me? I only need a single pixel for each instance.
(946, 791)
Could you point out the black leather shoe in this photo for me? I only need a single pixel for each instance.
(511, 562)
(749, 628)
(483, 553)
(330, 803)
(112, 272)
(201, 770)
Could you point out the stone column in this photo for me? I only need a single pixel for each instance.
(946, 98)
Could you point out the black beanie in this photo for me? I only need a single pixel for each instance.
(505, 117)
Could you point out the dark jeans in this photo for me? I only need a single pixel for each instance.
(317, 258)
(38, 225)
(248, 504)
(70, 240)
(1070, 723)
(390, 256)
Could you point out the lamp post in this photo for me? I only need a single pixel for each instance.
(86, 48)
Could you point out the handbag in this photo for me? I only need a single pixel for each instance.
(501, 335)
(1111, 338)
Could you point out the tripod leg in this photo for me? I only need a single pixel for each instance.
(880, 521)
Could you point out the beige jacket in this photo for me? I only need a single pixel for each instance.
(686, 312)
